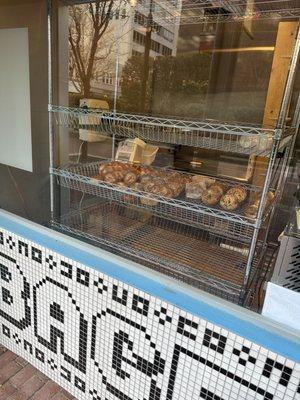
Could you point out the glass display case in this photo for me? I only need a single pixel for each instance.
(172, 123)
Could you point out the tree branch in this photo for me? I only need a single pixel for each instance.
(83, 47)
(76, 56)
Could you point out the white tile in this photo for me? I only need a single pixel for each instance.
(120, 337)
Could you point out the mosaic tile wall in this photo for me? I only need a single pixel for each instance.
(104, 340)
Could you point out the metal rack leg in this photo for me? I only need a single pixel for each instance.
(50, 98)
(278, 135)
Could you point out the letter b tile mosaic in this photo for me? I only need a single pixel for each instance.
(102, 339)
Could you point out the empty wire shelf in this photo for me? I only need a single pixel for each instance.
(80, 177)
(208, 134)
(200, 11)
(186, 12)
(189, 254)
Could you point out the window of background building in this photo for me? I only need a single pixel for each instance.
(141, 19)
(139, 38)
(107, 79)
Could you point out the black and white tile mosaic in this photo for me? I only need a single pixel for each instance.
(102, 339)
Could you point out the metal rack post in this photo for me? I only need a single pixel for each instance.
(276, 140)
(50, 101)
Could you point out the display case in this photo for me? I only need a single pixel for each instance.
(200, 208)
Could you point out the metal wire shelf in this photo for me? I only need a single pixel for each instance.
(201, 11)
(234, 224)
(234, 138)
(189, 254)
(186, 12)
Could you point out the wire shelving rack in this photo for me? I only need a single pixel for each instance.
(219, 251)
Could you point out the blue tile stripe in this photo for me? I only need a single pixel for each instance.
(254, 329)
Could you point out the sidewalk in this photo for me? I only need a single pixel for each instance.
(20, 381)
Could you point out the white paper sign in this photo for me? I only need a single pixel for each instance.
(282, 305)
(15, 117)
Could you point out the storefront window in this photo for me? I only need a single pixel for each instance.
(176, 121)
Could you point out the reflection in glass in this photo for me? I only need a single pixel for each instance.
(168, 58)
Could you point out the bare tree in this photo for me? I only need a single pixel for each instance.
(87, 28)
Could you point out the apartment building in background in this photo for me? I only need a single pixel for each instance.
(127, 30)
